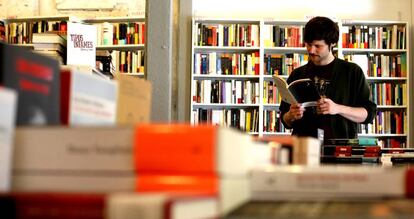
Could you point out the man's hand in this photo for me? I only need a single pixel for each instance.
(327, 106)
(295, 112)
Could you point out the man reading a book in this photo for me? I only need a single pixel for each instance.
(345, 96)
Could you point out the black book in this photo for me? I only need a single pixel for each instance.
(342, 141)
(303, 91)
(36, 79)
(341, 160)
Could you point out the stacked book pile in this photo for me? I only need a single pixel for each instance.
(363, 150)
(52, 44)
(397, 156)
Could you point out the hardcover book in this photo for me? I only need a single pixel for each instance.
(303, 91)
(36, 79)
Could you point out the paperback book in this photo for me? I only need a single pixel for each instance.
(303, 91)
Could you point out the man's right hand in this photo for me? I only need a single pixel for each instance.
(295, 112)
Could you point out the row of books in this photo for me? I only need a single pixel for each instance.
(226, 64)
(381, 65)
(374, 37)
(283, 36)
(272, 122)
(226, 92)
(120, 33)
(283, 64)
(270, 93)
(244, 35)
(386, 122)
(127, 61)
(393, 94)
(246, 120)
(21, 33)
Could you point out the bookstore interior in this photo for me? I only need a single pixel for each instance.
(122, 109)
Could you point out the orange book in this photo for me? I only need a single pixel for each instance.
(186, 149)
(206, 184)
(180, 148)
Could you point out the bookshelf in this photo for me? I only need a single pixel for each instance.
(124, 39)
(19, 30)
(280, 57)
(128, 55)
(226, 73)
(381, 49)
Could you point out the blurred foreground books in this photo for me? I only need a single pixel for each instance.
(174, 159)
(331, 182)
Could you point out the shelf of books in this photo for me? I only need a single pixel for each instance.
(283, 51)
(381, 49)
(122, 39)
(226, 73)
(20, 30)
(43, 34)
(234, 60)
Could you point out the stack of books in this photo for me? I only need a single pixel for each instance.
(346, 151)
(52, 43)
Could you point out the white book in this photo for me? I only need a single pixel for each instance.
(330, 182)
(63, 158)
(85, 106)
(49, 37)
(8, 100)
(160, 206)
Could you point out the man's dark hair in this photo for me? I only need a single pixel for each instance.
(321, 28)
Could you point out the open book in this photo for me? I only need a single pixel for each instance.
(303, 91)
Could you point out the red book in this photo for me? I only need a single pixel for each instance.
(143, 33)
(343, 154)
(256, 63)
(372, 149)
(343, 149)
(100, 205)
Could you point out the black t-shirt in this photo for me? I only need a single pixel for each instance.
(322, 76)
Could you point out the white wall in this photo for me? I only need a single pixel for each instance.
(26, 8)
(299, 9)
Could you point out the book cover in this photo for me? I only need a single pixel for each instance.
(8, 100)
(81, 105)
(134, 100)
(303, 91)
(36, 79)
